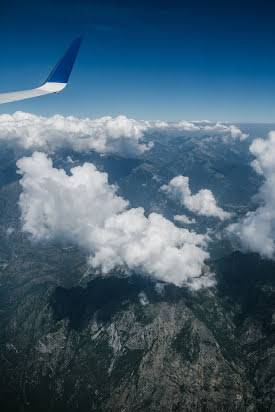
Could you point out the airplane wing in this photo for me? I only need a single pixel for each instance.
(56, 81)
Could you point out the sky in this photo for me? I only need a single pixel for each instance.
(147, 60)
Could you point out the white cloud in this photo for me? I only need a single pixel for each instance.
(185, 126)
(195, 128)
(226, 130)
(83, 208)
(184, 219)
(143, 300)
(256, 231)
(202, 203)
(201, 121)
(103, 135)
(9, 231)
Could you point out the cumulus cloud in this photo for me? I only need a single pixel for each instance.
(201, 121)
(256, 231)
(83, 208)
(9, 231)
(184, 219)
(202, 203)
(226, 130)
(143, 299)
(103, 135)
(195, 128)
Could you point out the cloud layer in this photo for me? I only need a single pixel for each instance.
(196, 128)
(103, 135)
(256, 231)
(202, 203)
(83, 208)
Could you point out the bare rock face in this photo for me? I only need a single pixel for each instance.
(121, 343)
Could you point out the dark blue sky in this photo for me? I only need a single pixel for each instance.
(151, 60)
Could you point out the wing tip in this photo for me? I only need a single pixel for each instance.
(63, 68)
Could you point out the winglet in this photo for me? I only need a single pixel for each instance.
(56, 81)
(62, 70)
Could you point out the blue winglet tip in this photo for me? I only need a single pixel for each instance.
(62, 70)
